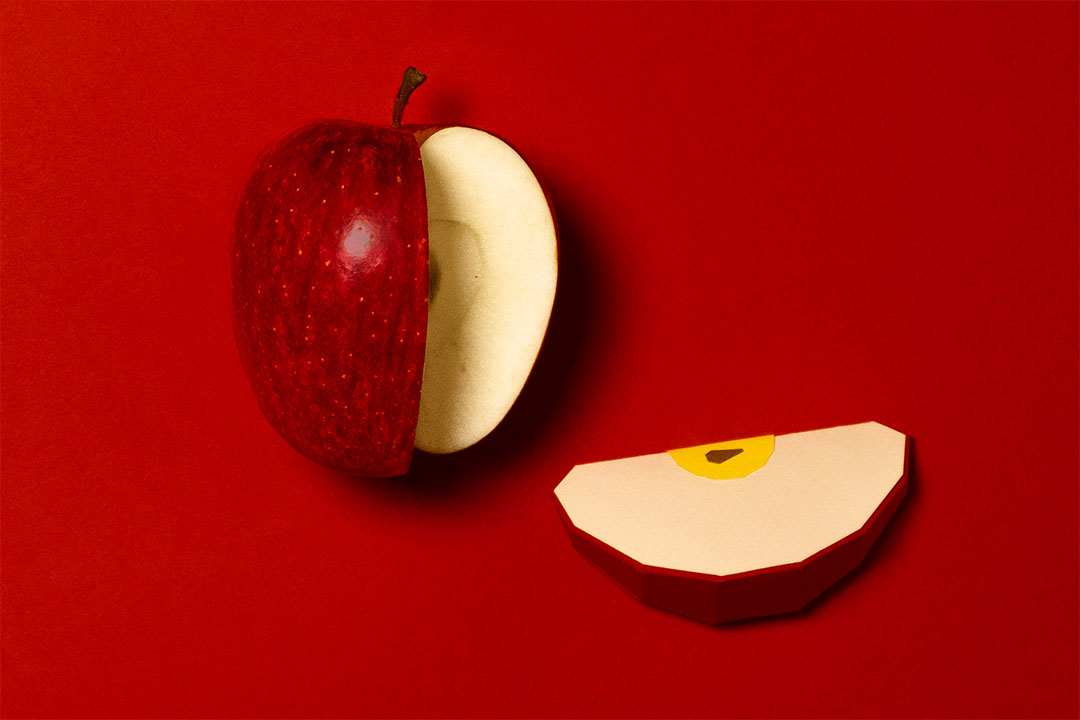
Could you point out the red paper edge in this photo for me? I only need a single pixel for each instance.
(755, 593)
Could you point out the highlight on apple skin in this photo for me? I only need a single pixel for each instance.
(391, 287)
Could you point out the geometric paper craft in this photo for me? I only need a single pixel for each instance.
(793, 514)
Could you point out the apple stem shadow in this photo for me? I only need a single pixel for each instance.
(449, 106)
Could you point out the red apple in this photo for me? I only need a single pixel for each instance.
(330, 287)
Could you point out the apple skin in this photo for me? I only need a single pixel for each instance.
(330, 292)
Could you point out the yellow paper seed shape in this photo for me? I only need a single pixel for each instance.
(725, 460)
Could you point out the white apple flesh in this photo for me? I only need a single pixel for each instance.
(494, 265)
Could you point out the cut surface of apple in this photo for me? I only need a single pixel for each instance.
(797, 513)
(494, 265)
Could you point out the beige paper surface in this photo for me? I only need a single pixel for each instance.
(817, 488)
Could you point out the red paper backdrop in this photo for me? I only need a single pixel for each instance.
(775, 217)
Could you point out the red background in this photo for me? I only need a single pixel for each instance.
(774, 217)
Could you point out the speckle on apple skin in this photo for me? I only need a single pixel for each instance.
(329, 292)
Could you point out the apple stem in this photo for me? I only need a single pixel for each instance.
(412, 79)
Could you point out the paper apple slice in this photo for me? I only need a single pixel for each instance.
(787, 518)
